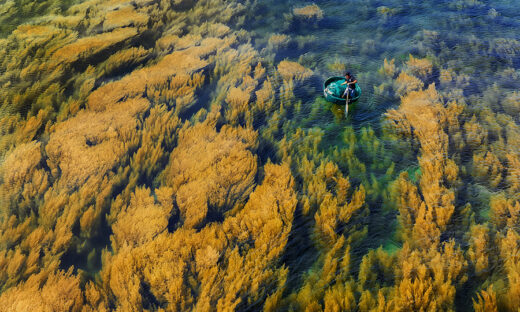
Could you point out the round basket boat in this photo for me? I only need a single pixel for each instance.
(334, 94)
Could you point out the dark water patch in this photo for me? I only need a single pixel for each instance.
(267, 151)
(149, 300)
(203, 96)
(88, 257)
(300, 252)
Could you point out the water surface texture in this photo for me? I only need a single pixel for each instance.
(175, 155)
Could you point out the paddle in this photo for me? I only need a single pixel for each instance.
(346, 102)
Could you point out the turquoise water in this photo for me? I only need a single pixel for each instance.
(459, 35)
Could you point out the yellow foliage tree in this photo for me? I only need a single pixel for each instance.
(55, 291)
(212, 171)
(236, 262)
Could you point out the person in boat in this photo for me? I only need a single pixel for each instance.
(350, 81)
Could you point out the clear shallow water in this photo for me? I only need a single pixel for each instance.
(355, 34)
(474, 42)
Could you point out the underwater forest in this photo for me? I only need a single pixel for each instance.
(180, 155)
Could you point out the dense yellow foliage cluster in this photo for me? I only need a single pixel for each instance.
(133, 174)
(309, 12)
(211, 172)
(222, 266)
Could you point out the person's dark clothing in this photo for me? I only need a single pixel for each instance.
(351, 79)
(350, 87)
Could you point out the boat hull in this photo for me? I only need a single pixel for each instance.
(336, 98)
